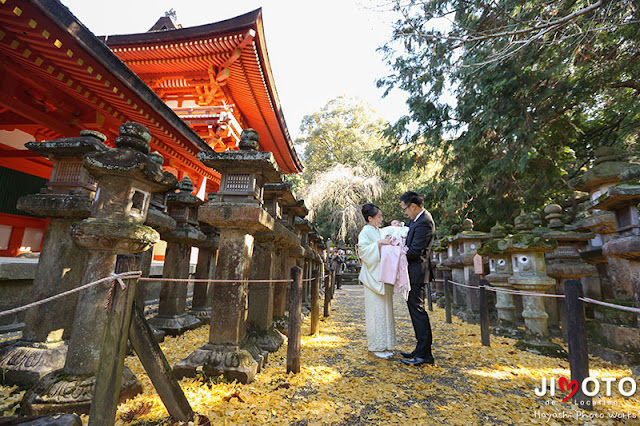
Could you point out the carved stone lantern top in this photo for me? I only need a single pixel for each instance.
(605, 172)
(249, 140)
(498, 231)
(565, 262)
(244, 172)
(127, 175)
(559, 231)
(303, 227)
(71, 188)
(88, 141)
(526, 242)
(68, 176)
(275, 195)
(524, 222)
(297, 209)
(183, 207)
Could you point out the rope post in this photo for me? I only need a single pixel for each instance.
(295, 321)
(333, 283)
(484, 314)
(315, 296)
(447, 297)
(327, 294)
(124, 322)
(429, 297)
(114, 345)
(578, 351)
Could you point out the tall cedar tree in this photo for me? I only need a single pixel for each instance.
(539, 85)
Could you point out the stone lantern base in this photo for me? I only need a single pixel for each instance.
(25, 363)
(269, 340)
(541, 346)
(506, 331)
(261, 356)
(175, 325)
(213, 360)
(203, 314)
(59, 392)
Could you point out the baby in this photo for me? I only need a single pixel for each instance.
(393, 259)
(396, 229)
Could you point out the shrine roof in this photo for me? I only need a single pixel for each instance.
(234, 51)
(59, 78)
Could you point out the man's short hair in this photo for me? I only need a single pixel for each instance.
(411, 197)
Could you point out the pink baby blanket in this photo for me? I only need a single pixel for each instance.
(394, 267)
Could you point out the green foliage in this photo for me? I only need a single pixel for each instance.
(343, 145)
(531, 107)
(344, 131)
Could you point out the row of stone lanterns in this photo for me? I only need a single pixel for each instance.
(250, 221)
(599, 247)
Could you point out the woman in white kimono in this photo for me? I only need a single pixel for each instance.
(378, 297)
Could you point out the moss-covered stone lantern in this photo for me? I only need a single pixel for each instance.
(238, 212)
(530, 275)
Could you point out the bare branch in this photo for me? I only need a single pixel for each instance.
(628, 83)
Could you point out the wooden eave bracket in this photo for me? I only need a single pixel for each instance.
(225, 72)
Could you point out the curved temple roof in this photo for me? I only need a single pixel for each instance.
(223, 63)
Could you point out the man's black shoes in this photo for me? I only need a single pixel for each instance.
(407, 354)
(418, 361)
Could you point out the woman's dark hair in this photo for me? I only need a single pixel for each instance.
(411, 197)
(369, 210)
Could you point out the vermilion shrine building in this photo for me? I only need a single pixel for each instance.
(194, 88)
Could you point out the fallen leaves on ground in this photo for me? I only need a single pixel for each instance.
(341, 383)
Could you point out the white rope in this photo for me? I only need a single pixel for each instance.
(124, 275)
(464, 285)
(610, 305)
(522, 293)
(123, 286)
(198, 280)
(508, 291)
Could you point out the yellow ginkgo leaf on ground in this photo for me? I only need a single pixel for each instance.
(341, 383)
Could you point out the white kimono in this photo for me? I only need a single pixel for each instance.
(378, 297)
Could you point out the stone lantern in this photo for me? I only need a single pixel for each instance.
(439, 254)
(455, 263)
(182, 206)
(614, 281)
(205, 270)
(66, 199)
(127, 176)
(270, 262)
(237, 211)
(500, 270)
(158, 219)
(623, 200)
(529, 274)
(285, 239)
(303, 227)
(469, 241)
(565, 262)
(292, 214)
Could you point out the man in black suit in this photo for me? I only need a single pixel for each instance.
(419, 242)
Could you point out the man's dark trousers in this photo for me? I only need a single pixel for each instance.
(420, 320)
(419, 241)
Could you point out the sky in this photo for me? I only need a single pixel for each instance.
(318, 50)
